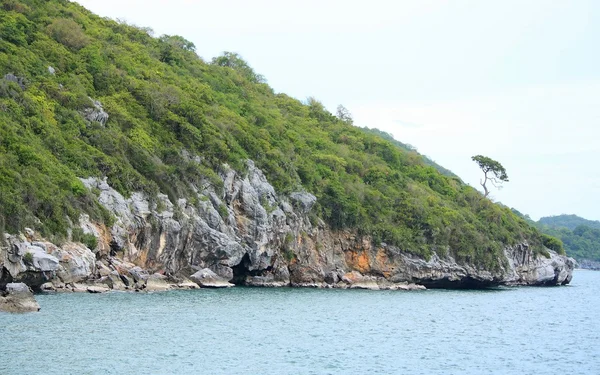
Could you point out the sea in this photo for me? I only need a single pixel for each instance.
(508, 330)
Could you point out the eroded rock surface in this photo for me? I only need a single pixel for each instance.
(208, 279)
(17, 298)
(247, 234)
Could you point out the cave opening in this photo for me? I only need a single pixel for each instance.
(114, 248)
(242, 271)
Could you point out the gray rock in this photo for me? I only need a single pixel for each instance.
(303, 200)
(208, 279)
(18, 298)
(187, 284)
(96, 113)
(138, 274)
(588, 264)
(157, 283)
(18, 80)
(97, 289)
(51, 70)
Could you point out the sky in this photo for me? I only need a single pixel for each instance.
(515, 80)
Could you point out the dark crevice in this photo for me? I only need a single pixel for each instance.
(114, 248)
(241, 271)
(464, 283)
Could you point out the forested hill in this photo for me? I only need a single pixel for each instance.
(581, 237)
(87, 96)
(568, 221)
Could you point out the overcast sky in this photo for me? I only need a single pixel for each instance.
(515, 80)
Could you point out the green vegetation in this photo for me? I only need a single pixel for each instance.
(28, 258)
(175, 119)
(553, 243)
(568, 221)
(493, 172)
(87, 239)
(580, 237)
(409, 149)
(223, 212)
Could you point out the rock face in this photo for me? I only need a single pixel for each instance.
(589, 264)
(96, 113)
(246, 234)
(18, 298)
(38, 262)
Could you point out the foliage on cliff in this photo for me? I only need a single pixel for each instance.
(174, 119)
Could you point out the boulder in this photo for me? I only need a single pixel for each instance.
(97, 289)
(157, 283)
(18, 298)
(208, 279)
(187, 284)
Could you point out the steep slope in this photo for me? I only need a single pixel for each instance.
(147, 154)
(410, 149)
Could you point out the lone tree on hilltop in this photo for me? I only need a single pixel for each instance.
(344, 114)
(492, 171)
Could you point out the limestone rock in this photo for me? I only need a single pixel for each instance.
(96, 113)
(157, 283)
(18, 298)
(97, 289)
(208, 279)
(303, 200)
(588, 264)
(247, 233)
(187, 284)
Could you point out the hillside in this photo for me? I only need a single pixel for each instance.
(568, 221)
(83, 97)
(411, 150)
(581, 237)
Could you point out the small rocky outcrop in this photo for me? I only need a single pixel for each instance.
(96, 113)
(526, 269)
(18, 298)
(16, 79)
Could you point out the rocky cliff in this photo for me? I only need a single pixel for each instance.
(245, 234)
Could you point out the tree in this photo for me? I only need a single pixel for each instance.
(344, 114)
(234, 61)
(493, 171)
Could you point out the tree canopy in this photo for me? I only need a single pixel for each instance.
(493, 172)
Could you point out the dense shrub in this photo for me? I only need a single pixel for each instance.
(68, 32)
(553, 243)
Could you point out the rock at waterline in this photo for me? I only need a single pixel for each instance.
(208, 279)
(18, 298)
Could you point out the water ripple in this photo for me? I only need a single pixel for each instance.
(308, 331)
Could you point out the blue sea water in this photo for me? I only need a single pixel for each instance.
(309, 331)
